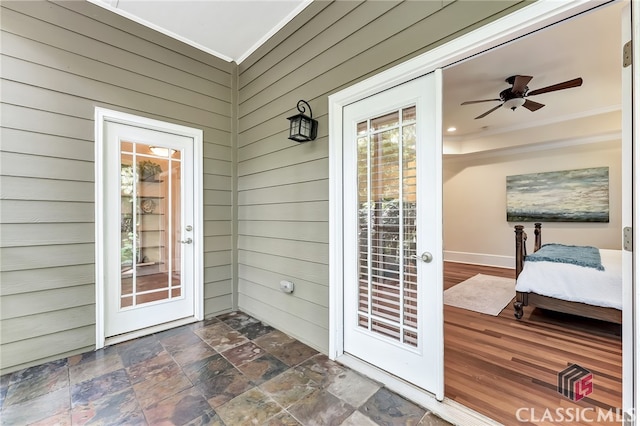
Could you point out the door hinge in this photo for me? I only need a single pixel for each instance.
(626, 54)
(627, 238)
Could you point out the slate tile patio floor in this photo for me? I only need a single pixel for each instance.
(229, 370)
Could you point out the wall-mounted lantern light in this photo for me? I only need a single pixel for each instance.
(302, 128)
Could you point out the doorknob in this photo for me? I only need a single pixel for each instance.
(189, 228)
(187, 241)
(426, 257)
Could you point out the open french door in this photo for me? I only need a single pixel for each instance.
(392, 159)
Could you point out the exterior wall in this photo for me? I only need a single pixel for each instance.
(59, 61)
(283, 186)
(478, 185)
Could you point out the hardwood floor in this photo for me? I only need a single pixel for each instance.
(507, 369)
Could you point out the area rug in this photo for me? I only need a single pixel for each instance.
(482, 293)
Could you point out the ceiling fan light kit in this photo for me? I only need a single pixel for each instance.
(514, 103)
(514, 96)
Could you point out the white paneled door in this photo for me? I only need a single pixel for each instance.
(393, 232)
(149, 228)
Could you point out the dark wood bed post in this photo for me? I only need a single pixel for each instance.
(521, 248)
(521, 252)
(538, 234)
(522, 298)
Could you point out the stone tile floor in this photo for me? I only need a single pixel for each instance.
(229, 370)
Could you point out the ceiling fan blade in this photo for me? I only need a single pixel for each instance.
(560, 86)
(531, 105)
(483, 100)
(488, 112)
(520, 83)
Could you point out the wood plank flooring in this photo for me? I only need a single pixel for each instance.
(502, 367)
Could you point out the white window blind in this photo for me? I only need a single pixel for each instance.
(387, 291)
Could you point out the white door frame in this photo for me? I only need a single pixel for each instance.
(102, 115)
(631, 131)
(530, 18)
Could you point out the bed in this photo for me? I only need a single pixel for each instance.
(585, 289)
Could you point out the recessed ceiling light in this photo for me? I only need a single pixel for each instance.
(451, 129)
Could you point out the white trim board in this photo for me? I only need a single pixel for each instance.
(523, 21)
(493, 260)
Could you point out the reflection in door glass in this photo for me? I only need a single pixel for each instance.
(150, 200)
(387, 291)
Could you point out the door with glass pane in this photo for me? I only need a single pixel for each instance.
(393, 233)
(149, 232)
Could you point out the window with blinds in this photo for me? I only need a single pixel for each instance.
(387, 290)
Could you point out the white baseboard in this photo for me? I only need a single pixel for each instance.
(480, 259)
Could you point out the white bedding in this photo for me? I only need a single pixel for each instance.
(576, 283)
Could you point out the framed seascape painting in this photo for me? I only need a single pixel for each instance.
(580, 195)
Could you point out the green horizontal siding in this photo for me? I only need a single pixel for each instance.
(59, 61)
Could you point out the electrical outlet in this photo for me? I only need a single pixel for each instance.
(286, 286)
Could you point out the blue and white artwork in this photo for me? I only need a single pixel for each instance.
(565, 196)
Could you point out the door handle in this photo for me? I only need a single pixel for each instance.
(426, 257)
(187, 241)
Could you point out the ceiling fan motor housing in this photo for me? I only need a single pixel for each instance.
(507, 95)
(512, 93)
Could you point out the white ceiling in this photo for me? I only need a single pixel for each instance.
(586, 46)
(228, 29)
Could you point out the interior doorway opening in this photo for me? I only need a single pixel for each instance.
(501, 355)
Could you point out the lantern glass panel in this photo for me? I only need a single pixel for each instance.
(295, 124)
(305, 127)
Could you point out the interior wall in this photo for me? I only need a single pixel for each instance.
(475, 225)
(59, 61)
(283, 188)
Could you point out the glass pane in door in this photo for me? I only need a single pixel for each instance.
(150, 200)
(387, 291)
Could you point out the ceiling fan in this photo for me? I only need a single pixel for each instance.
(514, 96)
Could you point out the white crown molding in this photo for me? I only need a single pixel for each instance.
(533, 147)
(534, 124)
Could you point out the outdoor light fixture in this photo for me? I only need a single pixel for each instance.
(302, 128)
